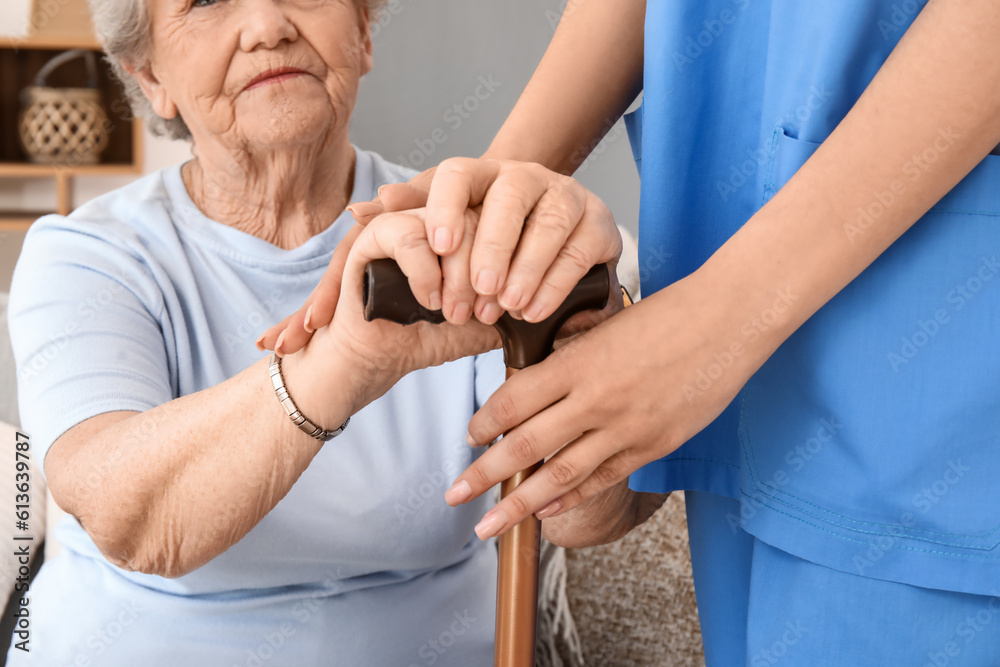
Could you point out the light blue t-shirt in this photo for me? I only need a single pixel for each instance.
(870, 441)
(137, 299)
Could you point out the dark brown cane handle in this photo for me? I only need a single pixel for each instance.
(386, 295)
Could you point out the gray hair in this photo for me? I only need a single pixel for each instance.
(123, 27)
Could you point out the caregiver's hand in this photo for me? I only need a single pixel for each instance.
(539, 233)
(613, 399)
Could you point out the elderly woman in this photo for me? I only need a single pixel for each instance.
(206, 528)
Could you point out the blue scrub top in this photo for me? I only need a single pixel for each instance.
(870, 441)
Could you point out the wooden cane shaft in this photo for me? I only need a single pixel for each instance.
(517, 584)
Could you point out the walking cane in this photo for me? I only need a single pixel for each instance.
(386, 294)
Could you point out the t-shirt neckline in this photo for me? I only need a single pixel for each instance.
(252, 250)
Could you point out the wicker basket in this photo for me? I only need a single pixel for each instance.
(64, 125)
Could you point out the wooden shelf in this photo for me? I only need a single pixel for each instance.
(58, 26)
(19, 221)
(51, 41)
(30, 170)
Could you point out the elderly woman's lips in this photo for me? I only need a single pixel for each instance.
(273, 76)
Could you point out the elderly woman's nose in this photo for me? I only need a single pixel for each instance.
(265, 24)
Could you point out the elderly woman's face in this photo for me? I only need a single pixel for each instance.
(277, 73)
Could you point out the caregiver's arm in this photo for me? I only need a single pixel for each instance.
(591, 72)
(166, 490)
(939, 91)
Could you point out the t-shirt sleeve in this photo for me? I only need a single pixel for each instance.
(489, 375)
(85, 330)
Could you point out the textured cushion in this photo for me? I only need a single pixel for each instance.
(633, 601)
(8, 374)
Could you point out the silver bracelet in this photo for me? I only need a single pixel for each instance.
(299, 419)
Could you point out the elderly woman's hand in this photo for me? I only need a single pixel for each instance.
(292, 333)
(604, 518)
(538, 234)
(377, 354)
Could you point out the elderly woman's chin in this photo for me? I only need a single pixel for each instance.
(276, 121)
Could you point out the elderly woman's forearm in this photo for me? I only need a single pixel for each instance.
(189, 478)
(589, 75)
(606, 517)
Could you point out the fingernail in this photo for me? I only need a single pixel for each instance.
(461, 313)
(364, 209)
(550, 509)
(260, 342)
(533, 312)
(491, 313)
(472, 441)
(278, 344)
(486, 282)
(442, 240)
(511, 297)
(492, 523)
(459, 493)
(380, 189)
(307, 322)
(435, 300)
